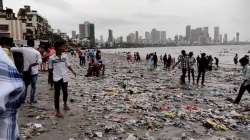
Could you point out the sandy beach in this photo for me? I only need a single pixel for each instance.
(131, 102)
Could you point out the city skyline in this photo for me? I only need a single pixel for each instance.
(124, 16)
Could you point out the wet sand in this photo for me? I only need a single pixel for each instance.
(131, 102)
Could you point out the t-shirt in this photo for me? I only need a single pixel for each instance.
(246, 74)
(191, 62)
(60, 67)
(184, 61)
(30, 56)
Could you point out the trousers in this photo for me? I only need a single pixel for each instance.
(58, 86)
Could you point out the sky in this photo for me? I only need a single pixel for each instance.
(126, 16)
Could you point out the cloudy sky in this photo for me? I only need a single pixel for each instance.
(125, 16)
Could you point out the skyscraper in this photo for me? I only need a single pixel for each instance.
(155, 36)
(237, 37)
(225, 39)
(73, 34)
(205, 36)
(148, 37)
(101, 39)
(110, 38)
(1, 5)
(131, 38)
(136, 37)
(221, 40)
(216, 34)
(163, 36)
(87, 31)
(188, 32)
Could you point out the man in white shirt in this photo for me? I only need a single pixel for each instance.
(60, 65)
(246, 73)
(11, 97)
(32, 58)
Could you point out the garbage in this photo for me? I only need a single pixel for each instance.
(131, 137)
(98, 134)
(147, 104)
(33, 129)
(212, 124)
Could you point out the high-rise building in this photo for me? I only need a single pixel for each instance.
(196, 35)
(147, 37)
(136, 37)
(131, 38)
(1, 5)
(188, 33)
(101, 39)
(221, 40)
(237, 37)
(87, 31)
(163, 37)
(110, 38)
(73, 34)
(155, 36)
(216, 34)
(205, 36)
(225, 39)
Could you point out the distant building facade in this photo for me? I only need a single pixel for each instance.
(216, 34)
(237, 37)
(225, 39)
(37, 26)
(163, 37)
(74, 36)
(136, 37)
(147, 38)
(10, 25)
(155, 36)
(188, 33)
(110, 37)
(87, 31)
(131, 38)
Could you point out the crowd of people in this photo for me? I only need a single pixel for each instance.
(20, 66)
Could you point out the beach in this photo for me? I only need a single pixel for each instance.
(130, 102)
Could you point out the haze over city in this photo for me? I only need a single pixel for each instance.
(125, 16)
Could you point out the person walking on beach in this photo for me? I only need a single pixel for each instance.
(155, 59)
(165, 58)
(60, 64)
(202, 67)
(11, 97)
(170, 61)
(32, 58)
(210, 63)
(216, 62)
(82, 57)
(236, 59)
(246, 83)
(191, 63)
(183, 60)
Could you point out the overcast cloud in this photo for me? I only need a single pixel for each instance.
(125, 16)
